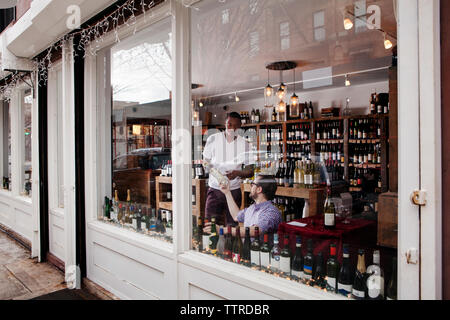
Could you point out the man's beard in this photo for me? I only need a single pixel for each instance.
(253, 196)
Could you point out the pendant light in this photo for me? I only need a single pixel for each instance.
(387, 43)
(268, 93)
(347, 81)
(294, 109)
(281, 93)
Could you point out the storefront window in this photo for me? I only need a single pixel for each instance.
(27, 126)
(7, 185)
(140, 69)
(294, 122)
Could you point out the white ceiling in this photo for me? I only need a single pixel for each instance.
(233, 41)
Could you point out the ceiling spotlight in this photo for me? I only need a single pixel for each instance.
(347, 81)
(201, 104)
(387, 43)
(348, 24)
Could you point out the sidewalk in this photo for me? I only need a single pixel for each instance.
(23, 278)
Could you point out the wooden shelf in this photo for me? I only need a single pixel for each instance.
(330, 141)
(364, 141)
(316, 197)
(200, 195)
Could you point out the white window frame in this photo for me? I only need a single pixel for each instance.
(409, 170)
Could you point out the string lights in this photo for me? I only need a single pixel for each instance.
(125, 14)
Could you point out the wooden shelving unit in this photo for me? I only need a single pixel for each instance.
(198, 209)
(316, 197)
(345, 141)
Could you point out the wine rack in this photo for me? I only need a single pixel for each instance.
(343, 139)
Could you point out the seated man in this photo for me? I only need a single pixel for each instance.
(262, 214)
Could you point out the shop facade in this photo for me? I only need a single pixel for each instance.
(95, 98)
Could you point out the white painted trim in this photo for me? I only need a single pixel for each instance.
(431, 150)
(408, 147)
(68, 130)
(253, 279)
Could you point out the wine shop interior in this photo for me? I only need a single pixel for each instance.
(315, 86)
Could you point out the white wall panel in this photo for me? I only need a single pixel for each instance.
(129, 271)
(16, 214)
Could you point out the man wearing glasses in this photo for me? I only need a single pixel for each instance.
(262, 214)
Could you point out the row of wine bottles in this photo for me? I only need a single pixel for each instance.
(365, 129)
(329, 130)
(139, 218)
(361, 283)
(365, 153)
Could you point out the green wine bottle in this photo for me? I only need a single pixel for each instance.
(332, 270)
(213, 237)
(255, 250)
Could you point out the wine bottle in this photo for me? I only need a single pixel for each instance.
(320, 274)
(169, 225)
(332, 270)
(329, 212)
(285, 257)
(391, 291)
(297, 261)
(139, 219)
(227, 253)
(144, 220)
(308, 263)
(255, 250)
(375, 280)
(345, 274)
(265, 252)
(275, 255)
(205, 237)
(213, 237)
(246, 249)
(163, 223)
(237, 247)
(107, 209)
(153, 221)
(359, 290)
(221, 243)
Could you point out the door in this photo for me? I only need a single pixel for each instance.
(56, 225)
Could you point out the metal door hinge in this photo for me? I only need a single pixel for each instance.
(418, 197)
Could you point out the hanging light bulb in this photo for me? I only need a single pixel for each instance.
(348, 24)
(281, 106)
(201, 104)
(294, 100)
(294, 109)
(269, 91)
(387, 43)
(347, 81)
(281, 93)
(236, 98)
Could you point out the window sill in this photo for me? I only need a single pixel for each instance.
(138, 240)
(254, 279)
(22, 199)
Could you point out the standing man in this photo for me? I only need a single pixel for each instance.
(229, 153)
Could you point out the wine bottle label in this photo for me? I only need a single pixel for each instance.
(375, 286)
(255, 258)
(275, 263)
(345, 289)
(134, 224)
(329, 219)
(358, 294)
(169, 232)
(236, 258)
(307, 272)
(265, 259)
(331, 282)
(285, 265)
(205, 240)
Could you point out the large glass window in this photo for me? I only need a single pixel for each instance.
(294, 117)
(27, 131)
(6, 143)
(139, 73)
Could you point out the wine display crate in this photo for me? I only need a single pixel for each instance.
(388, 219)
(162, 183)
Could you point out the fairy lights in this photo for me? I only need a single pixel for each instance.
(124, 15)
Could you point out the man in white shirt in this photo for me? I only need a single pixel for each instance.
(229, 153)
